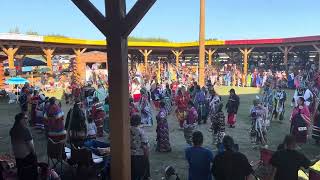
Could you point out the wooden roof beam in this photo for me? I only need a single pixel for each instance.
(93, 14)
(316, 47)
(137, 12)
(285, 49)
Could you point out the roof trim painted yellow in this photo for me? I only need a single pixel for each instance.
(63, 40)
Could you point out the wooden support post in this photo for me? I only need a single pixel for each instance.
(159, 70)
(48, 54)
(210, 53)
(145, 54)
(202, 41)
(318, 51)
(177, 53)
(10, 52)
(79, 71)
(285, 50)
(2, 77)
(117, 25)
(20, 62)
(245, 52)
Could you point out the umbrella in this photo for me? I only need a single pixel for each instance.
(16, 80)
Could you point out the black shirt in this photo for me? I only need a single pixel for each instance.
(231, 166)
(20, 136)
(288, 163)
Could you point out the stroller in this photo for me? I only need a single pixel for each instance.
(12, 98)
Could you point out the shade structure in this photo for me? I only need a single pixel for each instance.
(44, 70)
(16, 80)
(28, 61)
(27, 69)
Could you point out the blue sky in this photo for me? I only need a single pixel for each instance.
(176, 20)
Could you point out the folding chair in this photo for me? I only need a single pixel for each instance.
(263, 168)
(81, 161)
(55, 153)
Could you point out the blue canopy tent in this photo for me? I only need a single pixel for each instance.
(16, 80)
(28, 61)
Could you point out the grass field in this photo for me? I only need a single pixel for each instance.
(176, 158)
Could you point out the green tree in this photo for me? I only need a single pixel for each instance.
(56, 35)
(138, 39)
(30, 32)
(15, 30)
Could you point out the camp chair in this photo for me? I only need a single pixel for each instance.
(12, 98)
(55, 153)
(262, 168)
(81, 161)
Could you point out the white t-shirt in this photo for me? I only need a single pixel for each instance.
(91, 129)
(308, 97)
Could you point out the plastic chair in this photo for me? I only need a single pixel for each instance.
(55, 153)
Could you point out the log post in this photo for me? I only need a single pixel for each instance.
(245, 52)
(202, 42)
(285, 50)
(159, 70)
(10, 52)
(145, 54)
(79, 71)
(116, 26)
(2, 78)
(210, 53)
(48, 54)
(177, 53)
(318, 51)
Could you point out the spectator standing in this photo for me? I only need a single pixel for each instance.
(23, 148)
(232, 107)
(76, 125)
(139, 150)
(199, 159)
(230, 164)
(190, 123)
(54, 120)
(284, 170)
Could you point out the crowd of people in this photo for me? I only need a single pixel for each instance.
(193, 105)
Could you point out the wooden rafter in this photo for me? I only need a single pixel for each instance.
(177, 52)
(10, 52)
(93, 14)
(135, 15)
(145, 54)
(210, 52)
(285, 49)
(316, 47)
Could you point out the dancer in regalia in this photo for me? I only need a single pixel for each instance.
(280, 97)
(145, 108)
(190, 123)
(182, 104)
(232, 108)
(300, 121)
(163, 143)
